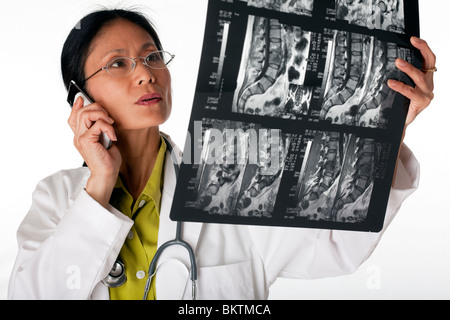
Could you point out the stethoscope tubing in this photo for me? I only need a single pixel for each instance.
(176, 241)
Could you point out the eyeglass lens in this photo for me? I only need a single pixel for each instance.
(124, 65)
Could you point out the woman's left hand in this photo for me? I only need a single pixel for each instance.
(422, 94)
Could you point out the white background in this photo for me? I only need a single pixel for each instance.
(411, 262)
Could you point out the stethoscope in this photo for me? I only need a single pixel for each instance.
(117, 276)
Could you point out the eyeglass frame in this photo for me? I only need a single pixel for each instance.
(144, 62)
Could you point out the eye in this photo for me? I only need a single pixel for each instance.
(119, 63)
(154, 57)
(120, 66)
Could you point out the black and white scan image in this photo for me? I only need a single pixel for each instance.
(241, 169)
(275, 61)
(386, 15)
(336, 179)
(293, 123)
(356, 91)
(301, 7)
(271, 79)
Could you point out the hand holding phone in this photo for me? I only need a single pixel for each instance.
(74, 93)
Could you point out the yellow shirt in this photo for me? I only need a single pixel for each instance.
(141, 243)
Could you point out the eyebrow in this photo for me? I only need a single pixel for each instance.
(124, 51)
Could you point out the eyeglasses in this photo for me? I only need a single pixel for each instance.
(123, 66)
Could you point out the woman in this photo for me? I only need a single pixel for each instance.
(118, 206)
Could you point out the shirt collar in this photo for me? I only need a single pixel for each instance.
(154, 184)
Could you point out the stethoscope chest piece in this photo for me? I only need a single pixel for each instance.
(116, 277)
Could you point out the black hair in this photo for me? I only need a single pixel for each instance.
(78, 43)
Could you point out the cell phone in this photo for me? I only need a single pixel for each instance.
(75, 92)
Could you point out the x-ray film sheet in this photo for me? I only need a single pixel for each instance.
(293, 123)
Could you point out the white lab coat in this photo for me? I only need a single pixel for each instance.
(68, 244)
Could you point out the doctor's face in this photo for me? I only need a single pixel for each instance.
(139, 100)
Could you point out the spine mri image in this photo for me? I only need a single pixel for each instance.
(298, 125)
(354, 89)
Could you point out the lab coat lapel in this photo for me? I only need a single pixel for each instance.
(173, 267)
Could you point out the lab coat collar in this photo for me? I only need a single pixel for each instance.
(173, 267)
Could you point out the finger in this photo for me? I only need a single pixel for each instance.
(88, 117)
(92, 136)
(79, 103)
(73, 114)
(428, 55)
(408, 92)
(93, 107)
(99, 111)
(415, 74)
(421, 80)
(103, 127)
(417, 96)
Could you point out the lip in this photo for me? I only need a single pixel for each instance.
(148, 99)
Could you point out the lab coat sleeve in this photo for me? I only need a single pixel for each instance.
(66, 247)
(316, 253)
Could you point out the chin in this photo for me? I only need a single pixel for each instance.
(152, 122)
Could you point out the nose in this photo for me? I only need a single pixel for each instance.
(143, 74)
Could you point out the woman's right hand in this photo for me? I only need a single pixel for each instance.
(88, 123)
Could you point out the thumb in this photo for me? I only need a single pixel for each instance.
(79, 103)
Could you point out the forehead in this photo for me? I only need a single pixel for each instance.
(121, 36)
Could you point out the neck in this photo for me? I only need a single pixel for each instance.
(139, 150)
